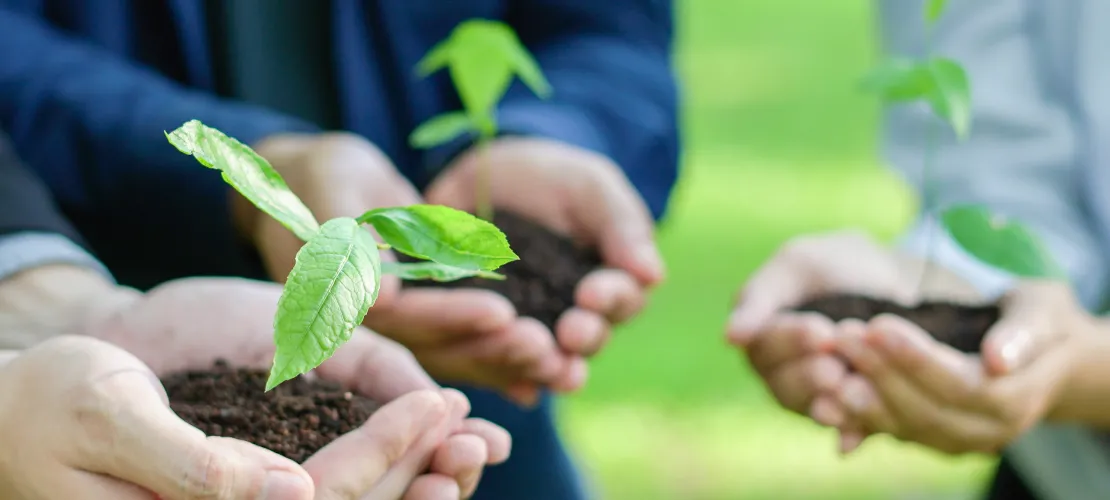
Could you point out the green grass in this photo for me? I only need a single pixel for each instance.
(778, 143)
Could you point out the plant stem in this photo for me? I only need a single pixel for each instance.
(482, 206)
(928, 200)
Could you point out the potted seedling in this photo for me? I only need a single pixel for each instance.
(333, 284)
(482, 58)
(989, 237)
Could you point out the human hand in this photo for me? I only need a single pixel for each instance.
(189, 323)
(793, 351)
(89, 420)
(912, 387)
(344, 175)
(578, 193)
(82, 419)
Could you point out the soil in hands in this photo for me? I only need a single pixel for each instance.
(542, 283)
(960, 326)
(295, 419)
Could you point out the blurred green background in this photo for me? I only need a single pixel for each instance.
(778, 142)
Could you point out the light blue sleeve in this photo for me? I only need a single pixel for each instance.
(1023, 158)
(27, 250)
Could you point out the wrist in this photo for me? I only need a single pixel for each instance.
(1082, 395)
(51, 300)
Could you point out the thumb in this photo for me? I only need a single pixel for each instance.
(1022, 331)
(400, 437)
(151, 447)
(624, 228)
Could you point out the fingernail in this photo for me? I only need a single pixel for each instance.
(283, 485)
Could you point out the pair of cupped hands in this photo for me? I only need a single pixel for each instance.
(113, 433)
(889, 376)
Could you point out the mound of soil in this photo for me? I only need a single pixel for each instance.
(542, 283)
(295, 419)
(960, 326)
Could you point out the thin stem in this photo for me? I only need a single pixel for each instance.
(483, 207)
(928, 197)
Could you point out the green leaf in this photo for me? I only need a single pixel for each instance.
(934, 9)
(898, 80)
(483, 56)
(1000, 242)
(442, 234)
(441, 130)
(950, 94)
(247, 172)
(332, 286)
(434, 271)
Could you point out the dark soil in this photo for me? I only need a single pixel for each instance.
(295, 419)
(960, 326)
(542, 283)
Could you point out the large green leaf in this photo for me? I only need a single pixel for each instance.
(950, 94)
(941, 82)
(434, 271)
(1000, 242)
(898, 80)
(483, 56)
(441, 130)
(332, 286)
(247, 172)
(442, 234)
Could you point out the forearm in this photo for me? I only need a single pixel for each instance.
(49, 286)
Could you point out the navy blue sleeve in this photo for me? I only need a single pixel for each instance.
(91, 124)
(614, 89)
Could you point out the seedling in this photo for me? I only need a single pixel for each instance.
(482, 56)
(337, 273)
(943, 84)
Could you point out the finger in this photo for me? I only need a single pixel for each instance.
(573, 377)
(612, 293)
(462, 457)
(532, 349)
(863, 404)
(407, 430)
(499, 442)
(582, 332)
(526, 351)
(790, 337)
(1025, 326)
(376, 367)
(148, 445)
(778, 285)
(433, 487)
(937, 369)
(850, 440)
(431, 316)
(796, 384)
(827, 411)
(623, 225)
(524, 394)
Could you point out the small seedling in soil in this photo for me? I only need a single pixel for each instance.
(989, 237)
(333, 284)
(482, 58)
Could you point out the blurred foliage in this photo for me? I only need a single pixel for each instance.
(779, 141)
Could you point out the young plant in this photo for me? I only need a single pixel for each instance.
(482, 56)
(335, 279)
(943, 84)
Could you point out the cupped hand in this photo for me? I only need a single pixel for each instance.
(917, 389)
(83, 419)
(792, 351)
(189, 323)
(579, 193)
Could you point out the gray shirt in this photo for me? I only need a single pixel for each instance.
(1038, 152)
